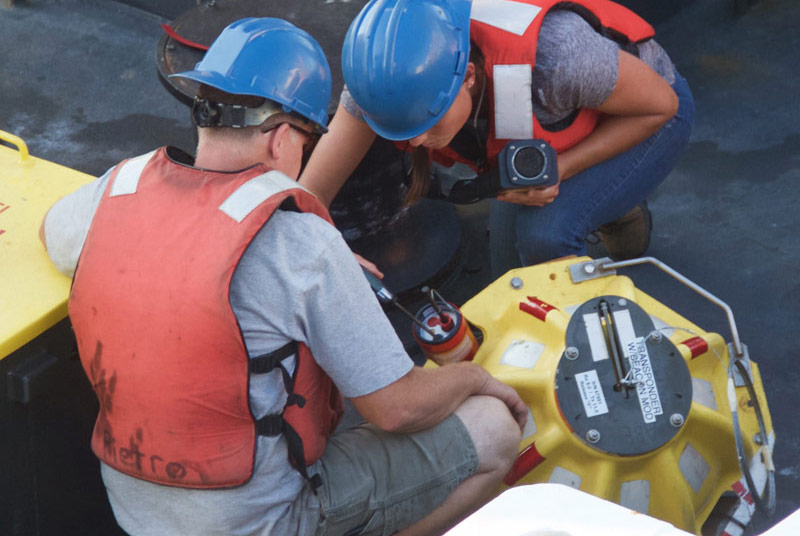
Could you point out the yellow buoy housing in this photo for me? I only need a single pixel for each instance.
(650, 428)
(34, 292)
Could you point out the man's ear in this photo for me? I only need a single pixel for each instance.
(277, 140)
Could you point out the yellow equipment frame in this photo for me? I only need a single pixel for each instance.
(680, 482)
(34, 294)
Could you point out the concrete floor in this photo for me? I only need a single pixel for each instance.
(78, 83)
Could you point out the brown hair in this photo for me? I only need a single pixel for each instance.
(421, 157)
(420, 175)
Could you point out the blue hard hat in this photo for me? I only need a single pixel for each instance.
(270, 58)
(404, 62)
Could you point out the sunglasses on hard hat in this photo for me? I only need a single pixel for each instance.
(311, 138)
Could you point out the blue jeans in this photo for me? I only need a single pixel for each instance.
(520, 235)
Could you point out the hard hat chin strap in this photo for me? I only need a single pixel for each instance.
(208, 113)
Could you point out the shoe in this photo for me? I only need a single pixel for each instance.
(629, 236)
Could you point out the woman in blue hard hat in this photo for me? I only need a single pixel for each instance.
(456, 80)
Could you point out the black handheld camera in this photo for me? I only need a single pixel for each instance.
(527, 164)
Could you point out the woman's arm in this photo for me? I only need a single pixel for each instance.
(640, 104)
(336, 155)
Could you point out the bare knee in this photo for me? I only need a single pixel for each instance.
(493, 430)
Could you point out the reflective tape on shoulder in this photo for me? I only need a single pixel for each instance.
(513, 102)
(249, 195)
(513, 17)
(127, 179)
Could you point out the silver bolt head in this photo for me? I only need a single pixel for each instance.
(572, 353)
(589, 268)
(623, 302)
(676, 420)
(757, 439)
(516, 283)
(593, 436)
(656, 336)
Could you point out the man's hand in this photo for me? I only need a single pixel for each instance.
(506, 393)
(532, 197)
(425, 397)
(371, 267)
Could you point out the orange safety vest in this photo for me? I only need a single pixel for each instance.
(506, 49)
(157, 335)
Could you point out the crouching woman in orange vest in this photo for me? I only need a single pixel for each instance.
(463, 84)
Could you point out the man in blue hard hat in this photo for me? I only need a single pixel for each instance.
(221, 318)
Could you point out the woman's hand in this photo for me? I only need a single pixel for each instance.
(532, 197)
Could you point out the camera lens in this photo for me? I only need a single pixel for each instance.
(528, 162)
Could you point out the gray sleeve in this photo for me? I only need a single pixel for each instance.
(67, 224)
(575, 67)
(298, 280)
(347, 330)
(349, 104)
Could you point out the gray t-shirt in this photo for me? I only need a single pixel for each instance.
(297, 280)
(576, 67)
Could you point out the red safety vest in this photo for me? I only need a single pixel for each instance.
(503, 48)
(157, 335)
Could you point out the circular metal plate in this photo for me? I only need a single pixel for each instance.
(604, 414)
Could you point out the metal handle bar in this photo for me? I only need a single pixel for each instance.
(737, 345)
(18, 142)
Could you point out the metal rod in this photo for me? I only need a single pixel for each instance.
(737, 344)
(612, 338)
(429, 293)
(414, 319)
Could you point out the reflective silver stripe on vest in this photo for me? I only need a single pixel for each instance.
(512, 17)
(127, 179)
(513, 102)
(254, 192)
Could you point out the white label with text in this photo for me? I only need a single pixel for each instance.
(594, 401)
(641, 371)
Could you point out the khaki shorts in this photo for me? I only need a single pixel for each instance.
(375, 482)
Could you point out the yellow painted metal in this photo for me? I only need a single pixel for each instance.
(34, 294)
(705, 442)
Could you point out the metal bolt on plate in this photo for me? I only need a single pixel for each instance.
(655, 336)
(592, 436)
(572, 353)
(757, 439)
(676, 420)
(589, 268)
(623, 302)
(516, 283)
